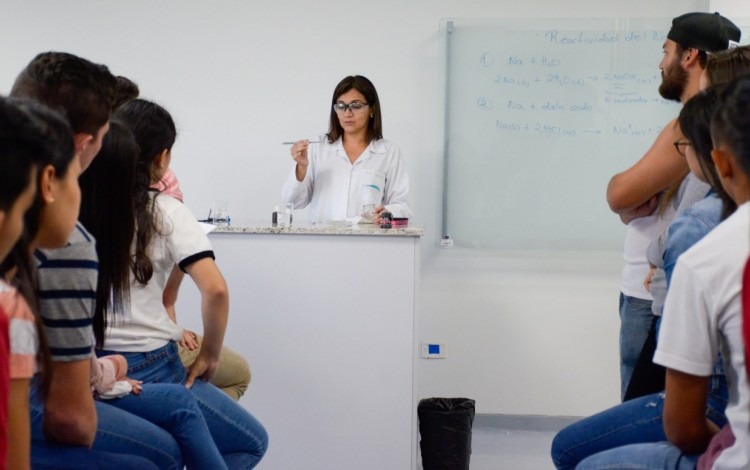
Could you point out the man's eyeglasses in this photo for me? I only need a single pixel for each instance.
(354, 106)
(681, 145)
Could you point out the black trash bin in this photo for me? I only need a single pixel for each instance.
(445, 430)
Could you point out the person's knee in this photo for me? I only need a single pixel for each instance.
(234, 374)
(561, 458)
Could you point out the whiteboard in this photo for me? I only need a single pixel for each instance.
(540, 114)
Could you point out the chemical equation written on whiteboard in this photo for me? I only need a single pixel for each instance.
(552, 129)
(543, 93)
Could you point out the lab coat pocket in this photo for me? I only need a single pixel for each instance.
(372, 186)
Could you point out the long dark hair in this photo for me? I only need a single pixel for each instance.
(695, 123)
(19, 147)
(154, 131)
(107, 188)
(46, 137)
(364, 86)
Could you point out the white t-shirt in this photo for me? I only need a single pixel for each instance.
(336, 189)
(703, 316)
(146, 325)
(639, 235)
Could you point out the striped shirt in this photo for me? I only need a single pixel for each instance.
(67, 294)
(24, 342)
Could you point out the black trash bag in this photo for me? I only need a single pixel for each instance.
(445, 429)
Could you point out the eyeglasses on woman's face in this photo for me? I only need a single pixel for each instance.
(355, 107)
(681, 146)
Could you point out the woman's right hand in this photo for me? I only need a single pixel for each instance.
(299, 152)
(204, 368)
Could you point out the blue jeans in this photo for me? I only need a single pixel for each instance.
(635, 421)
(50, 456)
(651, 456)
(122, 440)
(635, 322)
(173, 408)
(239, 437)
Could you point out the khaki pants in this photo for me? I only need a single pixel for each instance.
(233, 375)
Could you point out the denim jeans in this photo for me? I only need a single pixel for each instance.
(239, 437)
(122, 440)
(173, 408)
(650, 456)
(51, 456)
(635, 322)
(635, 421)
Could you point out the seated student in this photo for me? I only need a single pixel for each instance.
(703, 316)
(65, 414)
(233, 374)
(18, 361)
(640, 419)
(44, 137)
(108, 187)
(168, 234)
(354, 167)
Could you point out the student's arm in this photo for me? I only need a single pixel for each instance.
(169, 299)
(19, 429)
(685, 422)
(658, 169)
(69, 412)
(215, 311)
(169, 296)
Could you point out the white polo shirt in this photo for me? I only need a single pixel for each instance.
(145, 325)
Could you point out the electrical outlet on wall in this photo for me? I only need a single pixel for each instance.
(433, 350)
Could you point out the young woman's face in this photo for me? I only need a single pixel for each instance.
(353, 122)
(690, 156)
(61, 209)
(11, 221)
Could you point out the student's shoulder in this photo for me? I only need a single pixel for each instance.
(168, 204)
(12, 303)
(722, 245)
(81, 246)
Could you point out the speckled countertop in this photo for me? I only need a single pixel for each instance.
(307, 228)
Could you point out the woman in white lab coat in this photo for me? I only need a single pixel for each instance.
(353, 169)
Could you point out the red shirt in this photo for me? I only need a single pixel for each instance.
(4, 386)
(746, 314)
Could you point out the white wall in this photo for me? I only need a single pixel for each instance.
(525, 334)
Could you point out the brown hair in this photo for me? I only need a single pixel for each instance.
(725, 66)
(364, 86)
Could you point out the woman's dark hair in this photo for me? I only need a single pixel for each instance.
(154, 132)
(107, 188)
(45, 136)
(126, 90)
(364, 86)
(695, 123)
(730, 125)
(20, 149)
(723, 67)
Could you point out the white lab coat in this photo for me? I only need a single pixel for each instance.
(336, 189)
